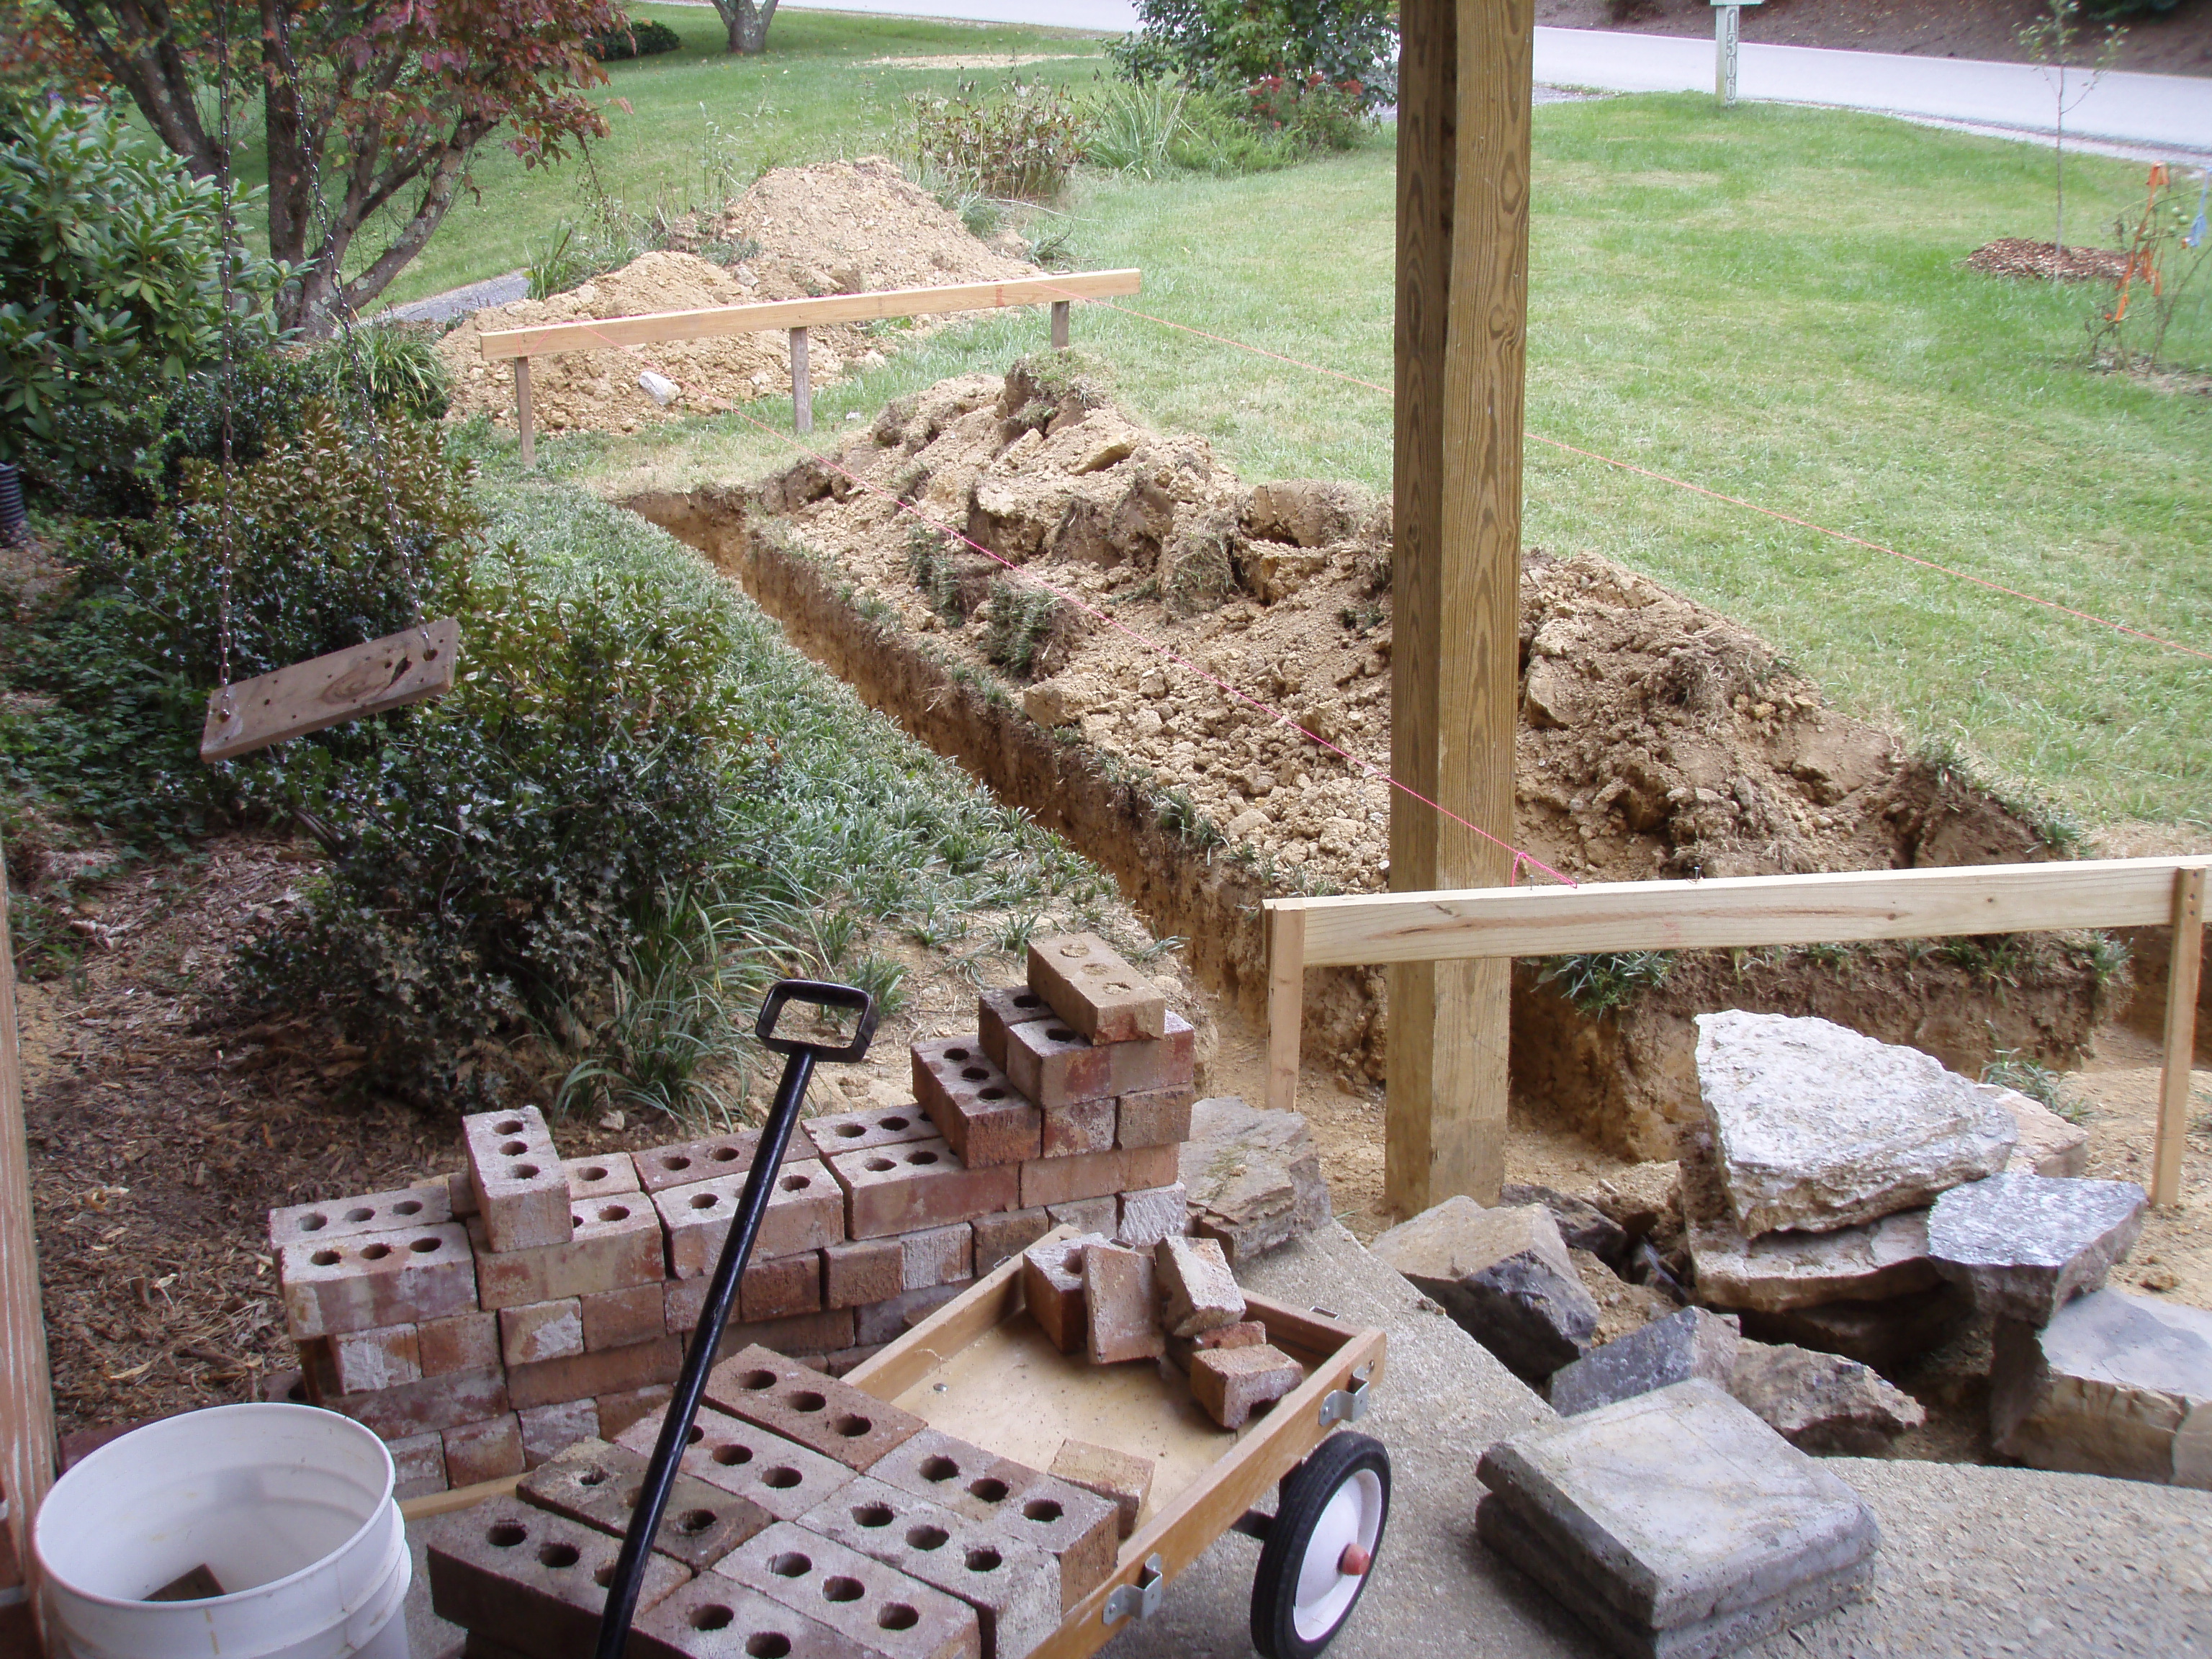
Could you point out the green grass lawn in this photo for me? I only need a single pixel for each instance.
(1771, 301)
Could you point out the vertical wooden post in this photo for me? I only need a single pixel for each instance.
(1286, 997)
(1059, 325)
(802, 384)
(1728, 28)
(523, 422)
(2184, 967)
(26, 1400)
(1463, 162)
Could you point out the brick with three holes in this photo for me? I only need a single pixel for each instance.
(880, 1126)
(521, 1190)
(599, 1177)
(428, 1206)
(616, 1245)
(1054, 1065)
(373, 1279)
(921, 1183)
(1091, 989)
(805, 1210)
(973, 1105)
(761, 1387)
(715, 1617)
(780, 1475)
(998, 1011)
(598, 1485)
(864, 1600)
(530, 1576)
(711, 1159)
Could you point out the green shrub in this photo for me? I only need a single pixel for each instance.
(1311, 114)
(1019, 146)
(1350, 45)
(631, 39)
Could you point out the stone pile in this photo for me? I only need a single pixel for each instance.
(482, 1323)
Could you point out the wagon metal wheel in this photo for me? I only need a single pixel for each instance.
(1321, 1547)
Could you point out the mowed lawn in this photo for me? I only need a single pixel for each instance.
(1771, 301)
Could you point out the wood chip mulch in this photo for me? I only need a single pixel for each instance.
(2014, 256)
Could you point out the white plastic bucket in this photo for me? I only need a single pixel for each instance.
(289, 1507)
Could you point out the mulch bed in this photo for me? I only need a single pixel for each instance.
(2016, 256)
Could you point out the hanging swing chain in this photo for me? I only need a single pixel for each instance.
(226, 231)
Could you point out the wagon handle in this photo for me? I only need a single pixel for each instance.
(799, 1057)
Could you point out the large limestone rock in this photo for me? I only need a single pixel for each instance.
(1505, 1277)
(1253, 1177)
(2028, 1244)
(1819, 1128)
(1867, 1263)
(2115, 1384)
(1820, 1403)
(1692, 1343)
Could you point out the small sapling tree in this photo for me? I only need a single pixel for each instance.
(2055, 43)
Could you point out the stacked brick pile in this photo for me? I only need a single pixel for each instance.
(482, 1324)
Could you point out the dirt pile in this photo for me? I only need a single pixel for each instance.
(837, 227)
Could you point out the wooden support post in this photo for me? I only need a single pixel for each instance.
(802, 384)
(523, 423)
(26, 1400)
(2184, 966)
(1286, 995)
(1463, 165)
(1059, 325)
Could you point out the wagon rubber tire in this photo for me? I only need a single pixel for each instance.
(1338, 1496)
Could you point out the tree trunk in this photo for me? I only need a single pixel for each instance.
(747, 24)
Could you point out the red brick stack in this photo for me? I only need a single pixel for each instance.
(482, 1323)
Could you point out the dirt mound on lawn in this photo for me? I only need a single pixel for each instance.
(837, 227)
(1657, 737)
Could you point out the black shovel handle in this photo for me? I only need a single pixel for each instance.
(722, 1289)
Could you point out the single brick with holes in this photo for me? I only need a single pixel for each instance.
(460, 1195)
(1054, 1065)
(863, 1600)
(522, 1191)
(782, 1287)
(1154, 1117)
(805, 1210)
(937, 1255)
(1155, 1213)
(922, 1183)
(1052, 1285)
(611, 1370)
(1120, 1305)
(1084, 1126)
(780, 1475)
(954, 1475)
(1095, 1175)
(855, 1131)
(383, 1357)
(530, 1576)
(998, 1011)
(1229, 1383)
(1079, 1529)
(714, 1618)
(617, 1244)
(627, 1408)
(615, 1319)
(711, 1159)
(1121, 1478)
(418, 1466)
(861, 1271)
(1087, 1215)
(549, 1431)
(376, 1212)
(598, 1484)
(1091, 989)
(490, 1450)
(539, 1331)
(835, 1419)
(458, 1342)
(1197, 1290)
(1014, 1588)
(1245, 1333)
(599, 1177)
(1006, 1234)
(973, 1106)
(376, 1279)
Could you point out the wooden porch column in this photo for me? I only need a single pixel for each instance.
(26, 1400)
(1463, 167)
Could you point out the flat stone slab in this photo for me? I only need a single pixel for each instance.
(1677, 1509)
(1821, 1402)
(1503, 1275)
(2028, 1244)
(1252, 1177)
(1692, 1343)
(1781, 1270)
(1817, 1127)
(2114, 1385)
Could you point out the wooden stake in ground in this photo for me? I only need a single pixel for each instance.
(26, 1400)
(1463, 128)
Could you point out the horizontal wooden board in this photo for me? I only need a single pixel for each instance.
(1740, 912)
(325, 691)
(714, 321)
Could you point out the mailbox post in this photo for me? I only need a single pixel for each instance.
(1727, 19)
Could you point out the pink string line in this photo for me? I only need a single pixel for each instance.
(1701, 489)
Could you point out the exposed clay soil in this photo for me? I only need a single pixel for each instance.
(2179, 43)
(837, 228)
(2016, 256)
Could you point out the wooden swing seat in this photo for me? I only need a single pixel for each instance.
(410, 667)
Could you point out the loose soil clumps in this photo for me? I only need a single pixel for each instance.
(837, 227)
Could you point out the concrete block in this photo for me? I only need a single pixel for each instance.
(1820, 1403)
(1121, 1307)
(937, 1255)
(821, 1414)
(521, 1190)
(418, 1466)
(863, 1270)
(1121, 1478)
(538, 1331)
(476, 1452)
(1154, 1117)
(598, 1484)
(1678, 1511)
(458, 1342)
(805, 1212)
(1198, 1292)
(1013, 1587)
(1091, 989)
(617, 1244)
(1007, 1233)
(1505, 1277)
(399, 1211)
(1230, 1383)
(920, 1184)
(718, 1157)
(434, 1404)
(1052, 1285)
(599, 1177)
(2025, 1245)
(1081, 1127)
(998, 1011)
(779, 1475)
(1254, 1177)
(611, 1370)
(1095, 1175)
(886, 1322)
(716, 1618)
(371, 1279)
(984, 1117)
(1155, 1213)
(2115, 1384)
(1100, 1215)
(616, 1318)
(866, 1601)
(383, 1357)
(781, 1287)
(549, 1431)
(530, 1576)
(1056, 1066)
(858, 1132)
(627, 1408)
(1692, 1343)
